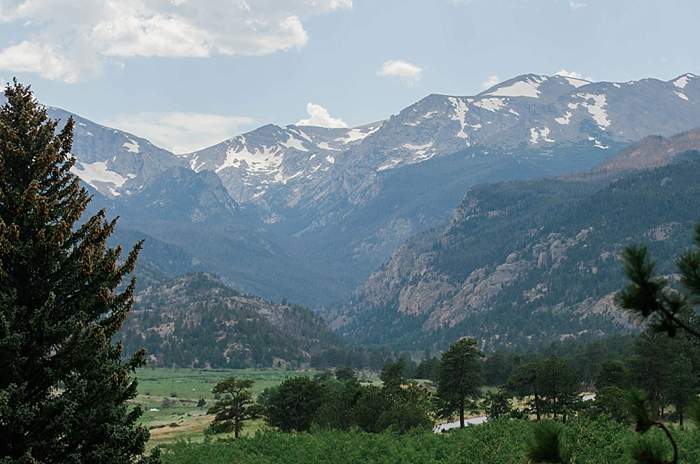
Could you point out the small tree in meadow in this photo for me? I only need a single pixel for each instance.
(234, 407)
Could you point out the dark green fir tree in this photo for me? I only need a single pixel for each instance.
(64, 385)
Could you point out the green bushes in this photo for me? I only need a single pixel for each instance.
(591, 441)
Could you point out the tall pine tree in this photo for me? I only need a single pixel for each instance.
(460, 378)
(63, 384)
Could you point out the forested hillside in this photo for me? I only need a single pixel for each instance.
(525, 262)
(197, 321)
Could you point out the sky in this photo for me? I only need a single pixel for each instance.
(190, 73)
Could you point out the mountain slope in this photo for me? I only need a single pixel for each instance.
(527, 262)
(194, 213)
(344, 207)
(195, 320)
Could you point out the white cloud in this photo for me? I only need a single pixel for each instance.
(181, 132)
(319, 116)
(490, 82)
(574, 5)
(37, 58)
(404, 70)
(80, 34)
(572, 74)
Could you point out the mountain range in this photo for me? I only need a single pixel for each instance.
(343, 220)
(308, 213)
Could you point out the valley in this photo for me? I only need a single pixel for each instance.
(349, 232)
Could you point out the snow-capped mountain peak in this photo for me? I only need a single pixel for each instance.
(114, 162)
(272, 155)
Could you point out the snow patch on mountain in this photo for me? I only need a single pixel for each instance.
(596, 106)
(419, 149)
(528, 87)
(358, 133)
(682, 81)
(576, 82)
(536, 134)
(326, 146)
(565, 119)
(294, 143)
(195, 164)
(421, 119)
(261, 160)
(98, 173)
(490, 104)
(597, 143)
(460, 114)
(131, 146)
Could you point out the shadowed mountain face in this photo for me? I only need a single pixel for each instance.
(192, 213)
(308, 212)
(522, 263)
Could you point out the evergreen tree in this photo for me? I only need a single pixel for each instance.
(611, 401)
(557, 385)
(682, 386)
(346, 374)
(524, 383)
(234, 407)
(294, 404)
(652, 368)
(368, 409)
(63, 383)
(499, 404)
(612, 374)
(546, 445)
(428, 368)
(651, 297)
(339, 399)
(392, 375)
(460, 378)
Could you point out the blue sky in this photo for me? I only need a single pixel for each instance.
(188, 73)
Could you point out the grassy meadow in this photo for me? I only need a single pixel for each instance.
(169, 398)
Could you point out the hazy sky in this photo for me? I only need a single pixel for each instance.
(189, 73)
